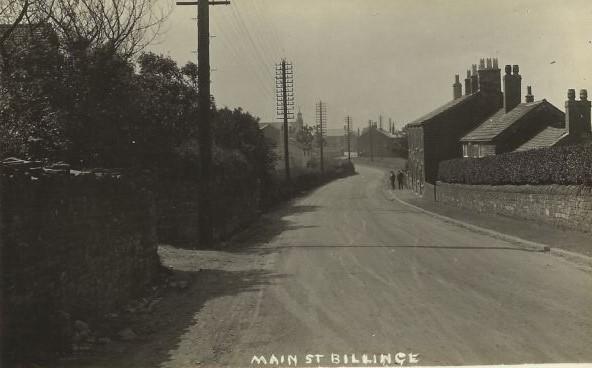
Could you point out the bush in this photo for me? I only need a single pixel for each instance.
(566, 165)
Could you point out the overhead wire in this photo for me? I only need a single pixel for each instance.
(243, 54)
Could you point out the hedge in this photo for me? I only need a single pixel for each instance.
(565, 165)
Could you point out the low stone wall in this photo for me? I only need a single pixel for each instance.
(75, 245)
(559, 205)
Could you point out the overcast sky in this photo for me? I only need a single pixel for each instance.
(391, 57)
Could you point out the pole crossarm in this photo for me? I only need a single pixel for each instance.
(197, 2)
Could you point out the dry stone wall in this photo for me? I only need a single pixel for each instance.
(75, 245)
(567, 206)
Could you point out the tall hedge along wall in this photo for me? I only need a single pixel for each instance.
(74, 246)
(567, 165)
(239, 196)
(235, 196)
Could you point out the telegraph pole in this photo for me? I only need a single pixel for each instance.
(321, 123)
(348, 131)
(370, 128)
(206, 228)
(358, 142)
(285, 103)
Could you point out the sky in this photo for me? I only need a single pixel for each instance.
(395, 58)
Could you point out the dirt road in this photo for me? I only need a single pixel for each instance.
(343, 270)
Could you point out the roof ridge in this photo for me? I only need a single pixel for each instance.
(443, 108)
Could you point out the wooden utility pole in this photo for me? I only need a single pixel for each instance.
(348, 132)
(285, 104)
(358, 142)
(370, 143)
(205, 216)
(321, 123)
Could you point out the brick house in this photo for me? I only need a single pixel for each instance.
(522, 126)
(435, 136)
(576, 129)
(381, 142)
(486, 121)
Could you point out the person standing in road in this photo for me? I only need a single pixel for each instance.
(401, 179)
(393, 177)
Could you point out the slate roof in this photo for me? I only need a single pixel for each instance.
(444, 108)
(501, 121)
(546, 138)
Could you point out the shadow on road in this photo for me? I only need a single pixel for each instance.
(266, 229)
(321, 246)
(228, 270)
(160, 333)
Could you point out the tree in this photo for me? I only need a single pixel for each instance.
(124, 26)
(13, 13)
(305, 136)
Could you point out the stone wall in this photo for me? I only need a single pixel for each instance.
(560, 205)
(75, 245)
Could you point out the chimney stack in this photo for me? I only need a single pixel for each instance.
(489, 78)
(577, 114)
(468, 90)
(456, 88)
(512, 87)
(529, 97)
(474, 79)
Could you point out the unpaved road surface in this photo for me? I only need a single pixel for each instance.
(343, 270)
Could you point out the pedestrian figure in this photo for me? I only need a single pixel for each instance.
(401, 179)
(393, 177)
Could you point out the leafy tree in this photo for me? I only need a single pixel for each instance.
(305, 136)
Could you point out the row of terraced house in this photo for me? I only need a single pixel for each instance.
(488, 121)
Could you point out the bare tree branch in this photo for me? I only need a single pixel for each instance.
(128, 26)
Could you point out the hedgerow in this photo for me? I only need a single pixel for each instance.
(565, 165)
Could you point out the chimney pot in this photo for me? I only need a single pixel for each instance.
(489, 64)
(508, 69)
(583, 94)
(529, 97)
(571, 94)
(481, 64)
(495, 65)
(456, 78)
(474, 69)
(516, 69)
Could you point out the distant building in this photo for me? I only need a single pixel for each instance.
(378, 143)
(336, 142)
(300, 155)
(486, 121)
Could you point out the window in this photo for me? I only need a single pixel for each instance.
(465, 150)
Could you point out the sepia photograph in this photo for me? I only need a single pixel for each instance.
(295, 183)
